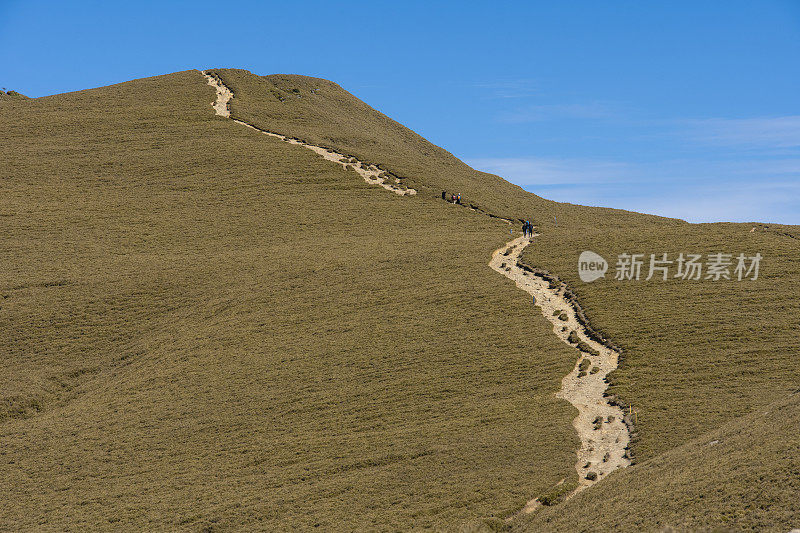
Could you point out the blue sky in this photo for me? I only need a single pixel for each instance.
(685, 109)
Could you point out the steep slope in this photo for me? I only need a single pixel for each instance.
(328, 116)
(695, 354)
(744, 476)
(204, 326)
(322, 113)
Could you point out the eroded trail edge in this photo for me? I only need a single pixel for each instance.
(371, 174)
(600, 426)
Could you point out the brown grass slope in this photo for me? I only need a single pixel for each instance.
(203, 327)
(697, 354)
(744, 476)
(322, 113)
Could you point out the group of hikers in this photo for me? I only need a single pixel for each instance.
(527, 225)
(527, 228)
(454, 198)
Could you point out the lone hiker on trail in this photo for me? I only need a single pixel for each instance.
(458, 198)
(444, 195)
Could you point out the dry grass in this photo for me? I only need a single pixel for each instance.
(696, 354)
(203, 326)
(206, 327)
(742, 477)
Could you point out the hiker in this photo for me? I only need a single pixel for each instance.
(458, 199)
(525, 228)
(444, 195)
(453, 198)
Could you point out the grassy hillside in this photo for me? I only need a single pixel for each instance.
(697, 354)
(691, 348)
(203, 326)
(326, 115)
(207, 327)
(744, 476)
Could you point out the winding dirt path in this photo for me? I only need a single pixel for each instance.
(600, 426)
(371, 174)
(603, 434)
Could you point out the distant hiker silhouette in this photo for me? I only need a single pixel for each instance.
(444, 195)
(458, 199)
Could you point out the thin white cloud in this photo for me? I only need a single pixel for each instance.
(547, 171)
(772, 203)
(772, 132)
(536, 113)
(697, 191)
(509, 88)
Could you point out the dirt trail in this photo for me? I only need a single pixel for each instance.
(600, 426)
(603, 434)
(371, 174)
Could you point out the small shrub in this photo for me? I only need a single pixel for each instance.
(595, 370)
(563, 316)
(582, 346)
(591, 476)
(574, 338)
(584, 365)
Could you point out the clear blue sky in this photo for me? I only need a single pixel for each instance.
(686, 109)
